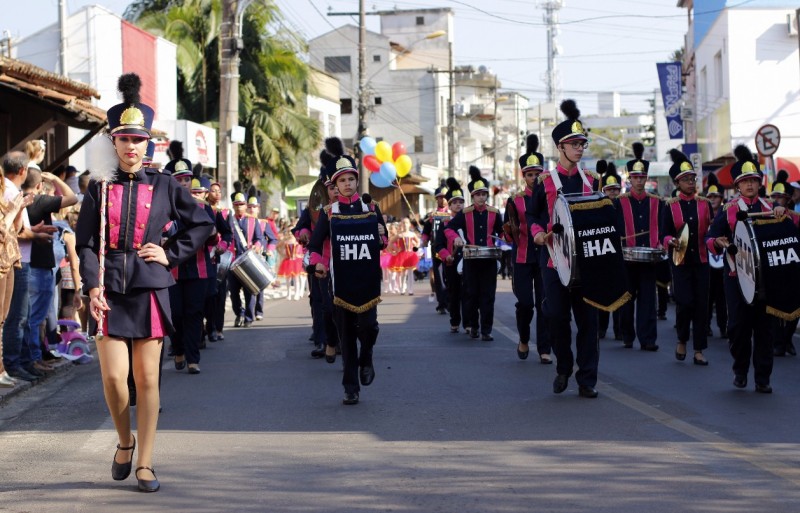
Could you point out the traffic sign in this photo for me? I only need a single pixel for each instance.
(768, 138)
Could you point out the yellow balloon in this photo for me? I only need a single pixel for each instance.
(403, 164)
(383, 151)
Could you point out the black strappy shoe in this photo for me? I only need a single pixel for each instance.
(121, 471)
(147, 486)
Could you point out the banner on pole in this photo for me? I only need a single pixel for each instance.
(669, 76)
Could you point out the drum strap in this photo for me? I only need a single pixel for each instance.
(242, 238)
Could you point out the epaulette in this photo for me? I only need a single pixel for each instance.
(672, 200)
(624, 195)
(543, 177)
(728, 205)
(592, 174)
(327, 209)
(520, 195)
(702, 198)
(651, 195)
(492, 209)
(468, 209)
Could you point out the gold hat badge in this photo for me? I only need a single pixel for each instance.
(533, 160)
(131, 116)
(686, 166)
(638, 166)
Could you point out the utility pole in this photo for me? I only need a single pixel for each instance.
(451, 114)
(551, 9)
(62, 36)
(494, 133)
(361, 131)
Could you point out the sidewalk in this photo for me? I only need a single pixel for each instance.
(61, 368)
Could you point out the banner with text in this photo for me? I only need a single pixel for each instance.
(669, 75)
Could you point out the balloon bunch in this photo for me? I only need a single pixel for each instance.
(385, 162)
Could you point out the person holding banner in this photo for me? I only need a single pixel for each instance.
(126, 270)
(356, 232)
(611, 185)
(683, 226)
(750, 323)
(639, 213)
(526, 281)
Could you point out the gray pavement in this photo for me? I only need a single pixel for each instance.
(449, 425)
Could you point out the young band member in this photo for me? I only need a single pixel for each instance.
(690, 276)
(639, 213)
(570, 139)
(429, 230)
(716, 290)
(215, 308)
(611, 185)
(480, 224)
(450, 258)
(356, 233)
(269, 242)
(126, 272)
(749, 324)
(782, 330)
(527, 275)
(246, 235)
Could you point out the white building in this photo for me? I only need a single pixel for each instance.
(744, 71)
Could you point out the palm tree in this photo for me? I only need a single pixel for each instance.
(272, 86)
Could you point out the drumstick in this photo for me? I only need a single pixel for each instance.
(742, 215)
(730, 248)
(635, 235)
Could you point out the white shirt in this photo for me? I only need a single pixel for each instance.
(24, 244)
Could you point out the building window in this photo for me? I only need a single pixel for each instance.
(378, 100)
(419, 147)
(718, 74)
(376, 58)
(347, 105)
(337, 64)
(331, 125)
(420, 20)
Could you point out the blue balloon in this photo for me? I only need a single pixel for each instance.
(378, 181)
(367, 145)
(388, 172)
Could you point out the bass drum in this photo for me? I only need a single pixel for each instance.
(748, 261)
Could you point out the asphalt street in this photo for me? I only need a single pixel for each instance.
(450, 424)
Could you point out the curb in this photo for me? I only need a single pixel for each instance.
(62, 367)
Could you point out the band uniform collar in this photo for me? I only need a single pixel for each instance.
(349, 201)
(686, 197)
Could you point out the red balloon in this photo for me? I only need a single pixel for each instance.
(398, 149)
(372, 163)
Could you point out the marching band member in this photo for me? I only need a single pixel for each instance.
(783, 330)
(270, 241)
(215, 308)
(428, 235)
(611, 186)
(527, 275)
(446, 253)
(716, 289)
(690, 277)
(246, 235)
(570, 138)
(480, 223)
(355, 230)
(127, 276)
(639, 214)
(749, 324)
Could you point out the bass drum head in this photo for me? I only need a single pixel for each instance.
(747, 260)
(716, 261)
(564, 243)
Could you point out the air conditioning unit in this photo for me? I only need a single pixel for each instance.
(791, 24)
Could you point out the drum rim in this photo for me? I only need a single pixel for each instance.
(753, 238)
(573, 278)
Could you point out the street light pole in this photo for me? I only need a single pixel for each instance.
(451, 114)
(361, 130)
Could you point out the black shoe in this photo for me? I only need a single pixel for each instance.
(20, 373)
(194, 368)
(560, 383)
(247, 324)
(147, 486)
(121, 471)
(237, 323)
(680, 356)
(740, 380)
(350, 398)
(763, 389)
(790, 349)
(180, 365)
(778, 352)
(318, 352)
(48, 356)
(601, 334)
(650, 347)
(522, 355)
(311, 338)
(486, 337)
(473, 333)
(366, 375)
(545, 359)
(30, 369)
(587, 391)
(627, 345)
(220, 336)
(699, 361)
(453, 329)
(213, 337)
(723, 333)
(330, 358)
(662, 317)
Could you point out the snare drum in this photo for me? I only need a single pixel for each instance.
(643, 254)
(481, 252)
(252, 271)
(224, 265)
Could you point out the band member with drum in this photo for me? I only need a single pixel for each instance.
(716, 290)
(215, 309)
(430, 227)
(481, 224)
(269, 242)
(639, 214)
(450, 258)
(356, 232)
(611, 186)
(782, 330)
(526, 280)
(684, 223)
(749, 323)
(246, 235)
(570, 138)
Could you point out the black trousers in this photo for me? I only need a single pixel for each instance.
(642, 308)
(782, 333)
(246, 309)
(439, 284)
(352, 328)
(663, 279)
(716, 298)
(748, 334)
(186, 300)
(526, 282)
(603, 318)
(558, 302)
(690, 289)
(218, 307)
(323, 327)
(456, 303)
(481, 277)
